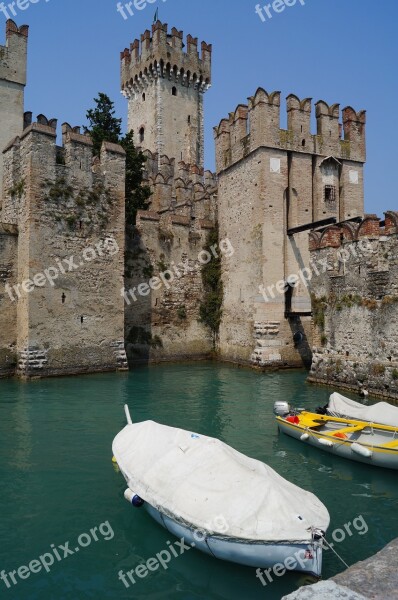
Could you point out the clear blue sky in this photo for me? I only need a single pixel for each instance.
(337, 50)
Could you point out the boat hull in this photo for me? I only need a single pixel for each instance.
(386, 458)
(302, 557)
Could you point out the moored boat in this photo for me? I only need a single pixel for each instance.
(357, 440)
(381, 413)
(218, 500)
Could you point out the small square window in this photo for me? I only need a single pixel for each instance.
(330, 193)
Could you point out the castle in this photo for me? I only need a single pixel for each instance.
(271, 187)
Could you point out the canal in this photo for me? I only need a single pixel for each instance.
(58, 482)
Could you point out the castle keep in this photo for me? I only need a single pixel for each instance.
(274, 185)
(164, 82)
(164, 85)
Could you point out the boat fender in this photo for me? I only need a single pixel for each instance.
(361, 450)
(133, 498)
(304, 437)
(327, 443)
(292, 419)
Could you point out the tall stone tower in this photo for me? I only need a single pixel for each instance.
(164, 82)
(274, 185)
(13, 58)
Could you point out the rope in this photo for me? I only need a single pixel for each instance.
(338, 555)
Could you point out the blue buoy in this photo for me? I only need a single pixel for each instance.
(137, 501)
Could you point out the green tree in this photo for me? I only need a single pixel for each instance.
(137, 195)
(210, 309)
(105, 127)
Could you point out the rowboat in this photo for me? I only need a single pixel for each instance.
(218, 500)
(358, 440)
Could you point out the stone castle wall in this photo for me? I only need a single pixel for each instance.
(8, 310)
(163, 322)
(355, 302)
(66, 275)
(270, 182)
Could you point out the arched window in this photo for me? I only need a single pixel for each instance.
(142, 134)
(174, 91)
(143, 97)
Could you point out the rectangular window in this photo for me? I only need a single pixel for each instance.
(330, 193)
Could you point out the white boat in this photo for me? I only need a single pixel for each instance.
(220, 501)
(380, 413)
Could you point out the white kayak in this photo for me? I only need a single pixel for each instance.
(220, 501)
(381, 413)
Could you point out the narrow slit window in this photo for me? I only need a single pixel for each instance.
(142, 135)
(143, 97)
(174, 91)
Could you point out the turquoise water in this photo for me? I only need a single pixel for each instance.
(58, 481)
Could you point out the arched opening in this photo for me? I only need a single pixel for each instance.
(174, 91)
(143, 97)
(142, 134)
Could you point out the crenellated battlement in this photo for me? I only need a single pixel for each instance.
(180, 188)
(13, 60)
(370, 227)
(71, 136)
(258, 124)
(13, 54)
(163, 54)
(35, 167)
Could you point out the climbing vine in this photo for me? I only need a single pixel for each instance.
(210, 309)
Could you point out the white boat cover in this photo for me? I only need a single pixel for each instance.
(203, 483)
(382, 413)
